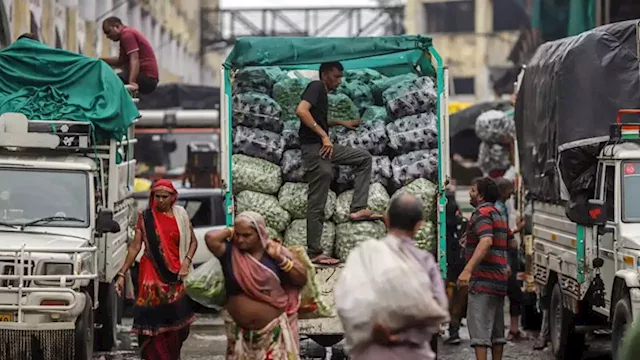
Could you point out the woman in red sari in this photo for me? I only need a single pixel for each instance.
(163, 311)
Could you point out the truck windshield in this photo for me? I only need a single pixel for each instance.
(631, 191)
(27, 195)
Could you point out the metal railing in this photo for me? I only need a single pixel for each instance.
(23, 259)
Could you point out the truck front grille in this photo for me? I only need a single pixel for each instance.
(37, 344)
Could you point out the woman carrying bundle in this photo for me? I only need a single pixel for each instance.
(263, 282)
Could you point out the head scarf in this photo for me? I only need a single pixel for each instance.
(166, 185)
(256, 221)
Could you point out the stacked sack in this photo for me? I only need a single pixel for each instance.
(399, 130)
(496, 130)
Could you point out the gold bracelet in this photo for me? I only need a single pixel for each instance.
(288, 266)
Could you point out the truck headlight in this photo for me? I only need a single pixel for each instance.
(58, 269)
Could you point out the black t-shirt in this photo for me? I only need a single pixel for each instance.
(316, 95)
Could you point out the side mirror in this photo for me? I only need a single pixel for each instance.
(105, 222)
(597, 212)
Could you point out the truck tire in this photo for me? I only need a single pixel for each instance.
(107, 317)
(84, 331)
(565, 342)
(622, 318)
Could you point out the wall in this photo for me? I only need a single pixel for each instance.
(172, 27)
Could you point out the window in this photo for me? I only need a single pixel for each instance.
(631, 191)
(450, 16)
(509, 15)
(464, 86)
(609, 191)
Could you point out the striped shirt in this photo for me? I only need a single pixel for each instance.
(490, 276)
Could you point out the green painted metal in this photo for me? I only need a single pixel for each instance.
(229, 195)
(580, 238)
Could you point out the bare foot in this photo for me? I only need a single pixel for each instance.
(364, 215)
(325, 260)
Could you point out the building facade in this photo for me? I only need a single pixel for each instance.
(474, 38)
(172, 27)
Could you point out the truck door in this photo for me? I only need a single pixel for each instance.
(606, 242)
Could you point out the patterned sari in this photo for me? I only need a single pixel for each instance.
(163, 311)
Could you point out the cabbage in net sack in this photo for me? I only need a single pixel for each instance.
(311, 304)
(380, 172)
(266, 205)
(495, 126)
(290, 135)
(341, 108)
(287, 93)
(492, 156)
(411, 97)
(379, 86)
(414, 132)
(255, 174)
(426, 192)
(259, 79)
(358, 92)
(274, 234)
(378, 202)
(366, 76)
(376, 113)
(258, 143)
(425, 238)
(256, 110)
(205, 284)
(296, 234)
(371, 137)
(293, 198)
(292, 168)
(350, 234)
(415, 165)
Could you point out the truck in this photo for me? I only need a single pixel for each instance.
(392, 55)
(579, 161)
(65, 213)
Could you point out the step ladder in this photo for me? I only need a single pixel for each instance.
(133, 92)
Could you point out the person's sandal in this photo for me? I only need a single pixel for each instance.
(540, 344)
(516, 336)
(325, 260)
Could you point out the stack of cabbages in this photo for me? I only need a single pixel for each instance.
(399, 130)
(496, 130)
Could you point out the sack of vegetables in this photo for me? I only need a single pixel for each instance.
(311, 304)
(205, 285)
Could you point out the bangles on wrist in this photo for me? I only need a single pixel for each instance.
(287, 265)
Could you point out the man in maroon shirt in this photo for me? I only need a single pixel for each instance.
(137, 60)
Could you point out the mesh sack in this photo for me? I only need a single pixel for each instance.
(268, 206)
(495, 126)
(415, 165)
(426, 238)
(258, 143)
(341, 108)
(411, 97)
(293, 198)
(380, 172)
(273, 233)
(296, 234)
(290, 135)
(358, 92)
(376, 113)
(371, 137)
(311, 303)
(379, 86)
(414, 132)
(426, 192)
(256, 110)
(492, 156)
(205, 284)
(258, 79)
(378, 202)
(366, 76)
(350, 234)
(292, 167)
(287, 93)
(255, 174)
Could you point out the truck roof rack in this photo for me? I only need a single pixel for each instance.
(624, 131)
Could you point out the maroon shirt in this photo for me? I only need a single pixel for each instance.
(132, 40)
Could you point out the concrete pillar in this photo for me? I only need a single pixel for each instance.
(483, 28)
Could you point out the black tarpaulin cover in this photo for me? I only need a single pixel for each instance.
(570, 94)
(182, 96)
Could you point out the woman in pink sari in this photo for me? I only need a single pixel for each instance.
(263, 282)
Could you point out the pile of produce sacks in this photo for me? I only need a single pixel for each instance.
(496, 130)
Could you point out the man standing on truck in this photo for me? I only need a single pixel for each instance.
(485, 274)
(319, 155)
(137, 59)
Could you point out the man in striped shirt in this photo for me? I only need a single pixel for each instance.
(486, 271)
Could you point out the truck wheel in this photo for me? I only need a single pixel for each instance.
(565, 342)
(106, 316)
(84, 331)
(622, 318)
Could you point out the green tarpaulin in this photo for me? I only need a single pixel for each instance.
(45, 83)
(557, 19)
(390, 55)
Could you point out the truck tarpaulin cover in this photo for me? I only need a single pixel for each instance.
(570, 94)
(186, 97)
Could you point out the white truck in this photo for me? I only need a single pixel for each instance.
(65, 213)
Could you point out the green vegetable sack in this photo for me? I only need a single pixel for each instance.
(376, 113)
(341, 108)
(273, 233)
(266, 205)
(378, 202)
(380, 85)
(255, 174)
(287, 93)
(350, 234)
(257, 78)
(311, 304)
(425, 238)
(427, 192)
(358, 92)
(296, 235)
(366, 76)
(293, 198)
(205, 285)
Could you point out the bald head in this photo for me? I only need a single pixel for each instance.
(404, 212)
